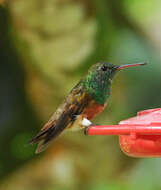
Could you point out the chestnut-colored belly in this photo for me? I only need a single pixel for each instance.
(92, 110)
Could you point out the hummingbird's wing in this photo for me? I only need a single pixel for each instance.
(65, 115)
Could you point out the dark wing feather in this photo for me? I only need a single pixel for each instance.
(73, 105)
(46, 137)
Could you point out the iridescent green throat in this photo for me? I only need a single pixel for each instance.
(98, 86)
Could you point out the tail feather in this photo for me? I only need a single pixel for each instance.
(44, 139)
(52, 130)
(42, 146)
(46, 136)
(38, 137)
(41, 139)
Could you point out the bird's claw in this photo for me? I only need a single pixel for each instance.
(86, 130)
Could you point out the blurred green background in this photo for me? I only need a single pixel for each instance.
(45, 48)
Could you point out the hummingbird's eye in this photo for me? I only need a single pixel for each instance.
(104, 68)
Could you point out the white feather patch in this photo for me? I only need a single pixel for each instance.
(86, 122)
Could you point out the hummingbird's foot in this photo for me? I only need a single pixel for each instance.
(86, 124)
(86, 129)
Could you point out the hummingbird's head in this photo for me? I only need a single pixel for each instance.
(103, 71)
(99, 78)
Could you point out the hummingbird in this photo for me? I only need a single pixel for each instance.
(87, 99)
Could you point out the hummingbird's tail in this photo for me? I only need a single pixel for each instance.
(51, 130)
(40, 139)
(45, 137)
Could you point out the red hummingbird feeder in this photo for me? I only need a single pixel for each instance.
(139, 136)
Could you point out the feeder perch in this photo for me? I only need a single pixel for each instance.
(139, 136)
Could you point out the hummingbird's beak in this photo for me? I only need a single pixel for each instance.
(130, 65)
